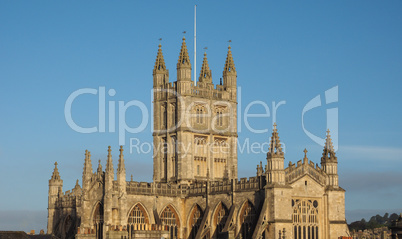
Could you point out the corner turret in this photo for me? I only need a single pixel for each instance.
(183, 64)
(275, 160)
(329, 162)
(160, 73)
(55, 191)
(205, 74)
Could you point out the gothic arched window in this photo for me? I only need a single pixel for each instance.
(248, 218)
(221, 215)
(170, 220)
(195, 220)
(305, 219)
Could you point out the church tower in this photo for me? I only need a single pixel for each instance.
(195, 129)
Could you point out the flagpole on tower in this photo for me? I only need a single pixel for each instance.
(195, 44)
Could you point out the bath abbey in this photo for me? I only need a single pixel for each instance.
(196, 192)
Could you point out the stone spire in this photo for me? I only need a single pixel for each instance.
(229, 64)
(275, 147)
(109, 163)
(160, 73)
(160, 62)
(230, 76)
(328, 153)
(205, 74)
(55, 175)
(121, 168)
(184, 59)
(275, 160)
(87, 163)
(99, 167)
(329, 162)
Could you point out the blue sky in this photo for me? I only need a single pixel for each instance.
(287, 51)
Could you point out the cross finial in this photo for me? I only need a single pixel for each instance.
(275, 126)
(327, 131)
(305, 153)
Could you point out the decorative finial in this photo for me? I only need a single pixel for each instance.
(275, 126)
(55, 164)
(131, 177)
(109, 149)
(99, 161)
(305, 153)
(121, 149)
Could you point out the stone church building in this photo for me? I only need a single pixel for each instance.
(195, 191)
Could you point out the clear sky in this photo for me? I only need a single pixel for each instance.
(288, 51)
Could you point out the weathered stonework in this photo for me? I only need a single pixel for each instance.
(195, 191)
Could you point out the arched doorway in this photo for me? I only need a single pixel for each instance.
(98, 221)
(170, 221)
(195, 220)
(220, 217)
(247, 220)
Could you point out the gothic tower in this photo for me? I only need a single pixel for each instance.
(195, 129)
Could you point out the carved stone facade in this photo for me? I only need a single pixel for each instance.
(195, 192)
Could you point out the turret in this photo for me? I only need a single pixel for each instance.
(121, 182)
(55, 191)
(229, 71)
(275, 160)
(160, 73)
(329, 162)
(205, 74)
(183, 64)
(109, 178)
(88, 171)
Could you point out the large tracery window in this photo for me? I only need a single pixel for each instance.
(195, 220)
(136, 216)
(137, 219)
(248, 219)
(170, 220)
(305, 219)
(221, 215)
